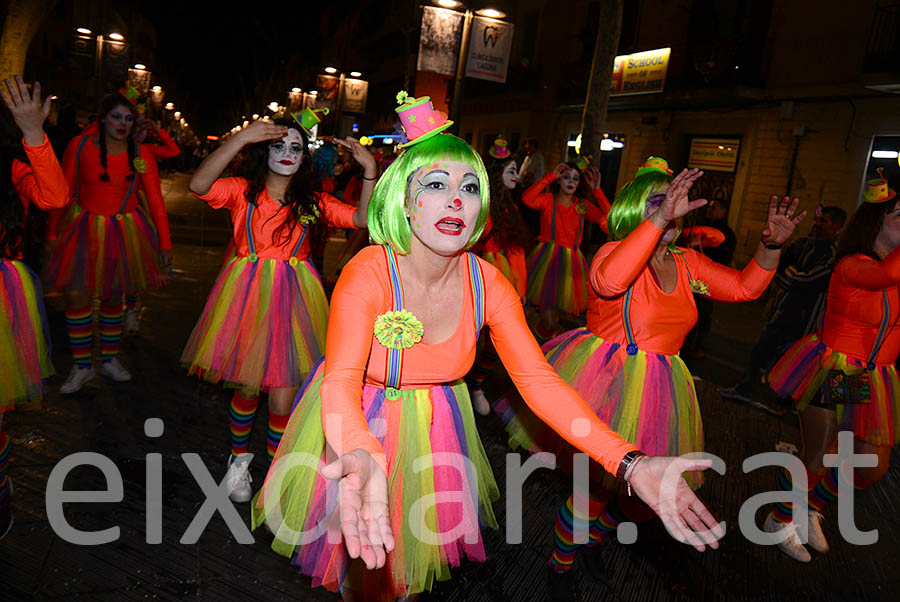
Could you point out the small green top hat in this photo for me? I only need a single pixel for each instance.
(309, 118)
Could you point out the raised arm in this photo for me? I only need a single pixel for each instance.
(729, 284)
(532, 195)
(370, 174)
(612, 272)
(168, 148)
(213, 166)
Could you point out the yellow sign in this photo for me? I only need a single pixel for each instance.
(714, 154)
(640, 73)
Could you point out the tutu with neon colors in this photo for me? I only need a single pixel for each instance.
(557, 278)
(422, 425)
(501, 260)
(24, 339)
(263, 325)
(801, 372)
(647, 398)
(105, 255)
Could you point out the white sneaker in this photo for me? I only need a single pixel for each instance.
(114, 370)
(238, 478)
(131, 322)
(480, 402)
(817, 539)
(792, 545)
(78, 375)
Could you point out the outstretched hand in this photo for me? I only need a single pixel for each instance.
(658, 482)
(676, 204)
(262, 130)
(593, 177)
(360, 154)
(26, 107)
(781, 221)
(363, 499)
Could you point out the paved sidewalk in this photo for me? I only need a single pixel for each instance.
(108, 419)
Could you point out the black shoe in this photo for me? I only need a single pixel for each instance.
(561, 586)
(6, 517)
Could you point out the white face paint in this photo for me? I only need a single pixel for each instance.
(510, 175)
(568, 182)
(285, 155)
(444, 201)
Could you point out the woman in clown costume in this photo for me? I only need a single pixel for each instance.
(557, 270)
(625, 363)
(388, 415)
(843, 377)
(263, 326)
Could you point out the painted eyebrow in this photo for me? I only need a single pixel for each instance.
(436, 171)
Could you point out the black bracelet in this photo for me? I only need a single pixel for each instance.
(369, 179)
(772, 246)
(629, 459)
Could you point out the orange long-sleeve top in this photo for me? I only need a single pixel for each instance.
(41, 183)
(854, 308)
(659, 320)
(707, 236)
(105, 198)
(354, 357)
(167, 149)
(567, 232)
(268, 215)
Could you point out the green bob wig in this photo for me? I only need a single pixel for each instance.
(388, 222)
(628, 210)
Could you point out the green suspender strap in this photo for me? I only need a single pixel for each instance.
(394, 365)
(131, 186)
(252, 246)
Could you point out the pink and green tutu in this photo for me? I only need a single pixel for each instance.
(105, 255)
(501, 261)
(24, 339)
(647, 398)
(423, 423)
(263, 325)
(557, 278)
(801, 372)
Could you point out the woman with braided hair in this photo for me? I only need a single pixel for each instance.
(107, 244)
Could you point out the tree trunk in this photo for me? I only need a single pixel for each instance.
(593, 119)
(23, 19)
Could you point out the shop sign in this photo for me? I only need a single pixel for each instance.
(714, 154)
(640, 73)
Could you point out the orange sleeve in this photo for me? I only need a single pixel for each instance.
(729, 284)
(597, 215)
(337, 213)
(549, 396)
(68, 167)
(167, 149)
(533, 195)
(864, 272)
(355, 305)
(152, 188)
(224, 192)
(709, 237)
(613, 272)
(43, 182)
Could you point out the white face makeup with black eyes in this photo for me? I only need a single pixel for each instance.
(444, 201)
(568, 182)
(118, 122)
(510, 175)
(285, 155)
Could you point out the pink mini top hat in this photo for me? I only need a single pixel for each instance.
(654, 164)
(877, 190)
(419, 119)
(499, 149)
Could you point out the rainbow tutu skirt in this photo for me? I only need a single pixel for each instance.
(648, 399)
(440, 490)
(801, 372)
(557, 278)
(263, 325)
(505, 262)
(105, 255)
(24, 339)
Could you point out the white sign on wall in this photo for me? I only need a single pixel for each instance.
(490, 42)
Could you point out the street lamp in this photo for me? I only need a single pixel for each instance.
(339, 111)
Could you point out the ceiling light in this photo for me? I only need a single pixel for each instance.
(492, 13)
(330, 70)
(116, 36)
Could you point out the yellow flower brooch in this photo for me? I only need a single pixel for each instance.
(308, 218)
(699, 287)
(581, 208)
(398, 329)
(140, 165)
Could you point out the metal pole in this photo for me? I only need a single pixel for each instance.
(456, 101)
(98, 72)
(338, 113)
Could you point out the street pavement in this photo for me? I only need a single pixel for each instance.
(37, 563)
